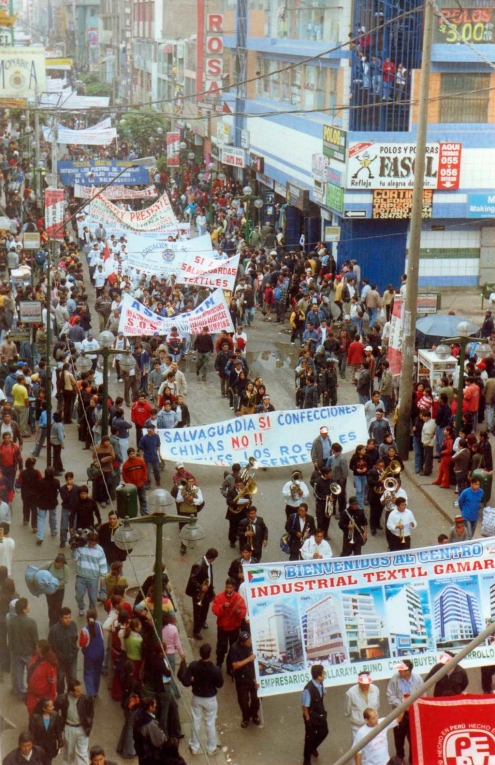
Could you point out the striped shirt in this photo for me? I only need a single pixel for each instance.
(90, 562)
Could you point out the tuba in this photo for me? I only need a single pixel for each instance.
(295, 489)
(393, 469)
(251, 487)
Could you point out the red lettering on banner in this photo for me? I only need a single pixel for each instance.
(215, 22)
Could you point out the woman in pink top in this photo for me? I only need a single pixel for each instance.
(171, 643)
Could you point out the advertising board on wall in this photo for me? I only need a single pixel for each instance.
(22, 72)
(397, 203)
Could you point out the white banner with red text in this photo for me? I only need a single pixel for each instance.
(157, 218)
(137, 320)
(114, 192)
(101, 134)
(274, 438)
(367, 612)
(54, 213)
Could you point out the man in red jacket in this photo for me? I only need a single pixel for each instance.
(230, 609)
(140, 412)
(135, 471)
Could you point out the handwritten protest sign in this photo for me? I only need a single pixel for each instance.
(137, 320)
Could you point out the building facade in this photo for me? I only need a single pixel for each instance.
(408, 634)
(323, 632)
(364, 627)
(337, 121)
(280, 637)
(457, 617)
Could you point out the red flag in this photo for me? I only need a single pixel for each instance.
(106, 251)
(453, 730)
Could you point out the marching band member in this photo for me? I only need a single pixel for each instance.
(189, 501)
(316, 547)
(323, 499)
(294, 491)
(375, 491)
(355, 527)
(400, 522)
(236, 508)
(387, 500)
(253, 532)
(236, 571)
(300, 526)
(200, 589)
(229, 479)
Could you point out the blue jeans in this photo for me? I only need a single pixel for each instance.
(489, 414)
(360, 484)
(153, 467)
(40, 443)
(418, 455)
(363, 398)
(143, 505)
(359, 325)
(372, 313)
(86, 585)
(249, 315)
(471, 527)
(18, 673)
(386, 402)
(439, 440)
(64, 525)
(52, 517)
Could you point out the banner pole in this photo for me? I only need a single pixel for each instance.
(490, 630)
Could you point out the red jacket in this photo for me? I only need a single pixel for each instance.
(355, 353)
(134, 471)
(140, 412)
(229, 618)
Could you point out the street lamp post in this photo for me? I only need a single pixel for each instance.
(106, 349)
(483, 350)
(159, 501)
(247, 198)
(212, 176)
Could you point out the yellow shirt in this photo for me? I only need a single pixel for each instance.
(19, 394)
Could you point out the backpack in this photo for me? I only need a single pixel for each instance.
(277, 293)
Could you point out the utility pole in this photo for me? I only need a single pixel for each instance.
(410, 312)
(37, 152)
(50, 260)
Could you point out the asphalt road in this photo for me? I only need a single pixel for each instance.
(279, 740)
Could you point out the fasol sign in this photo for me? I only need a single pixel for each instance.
(233, 156)
(214, 54)
(389, 165)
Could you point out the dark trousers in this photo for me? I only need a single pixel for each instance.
(342, 497)
(234, 522)
(57, 458)
(225, 638)
(401, 732)
(314, 735)
(428, 460)
(247, 698)
(200, 612)
(376, 510)
(55, 602)
(69, 397)
(486, 678)
(67, 670)
(169, 712)
(397, 546)
(388, 533)
(351, 549)
(30, 511)
(322, 519)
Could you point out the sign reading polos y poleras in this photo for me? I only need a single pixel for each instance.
(274, 438)
(367, 612)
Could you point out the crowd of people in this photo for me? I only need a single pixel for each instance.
(342, 325)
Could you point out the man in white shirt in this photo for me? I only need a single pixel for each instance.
(400, 523)
(295, 491)
(316, 547)
(376, 752)
(7, 547)
(364, 695)
(91, 344)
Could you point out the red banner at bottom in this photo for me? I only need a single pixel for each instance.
(453, 730)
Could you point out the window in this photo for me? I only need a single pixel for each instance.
(470, 107)
(275, 80)
(315, 78)
(296, 86)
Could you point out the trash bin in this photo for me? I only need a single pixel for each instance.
(127, 500)
(485, 480)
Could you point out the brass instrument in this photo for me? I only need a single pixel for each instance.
(306, 534)
(250, 488)
(295, 489)
(393, 469)
(350, 531)
(335, 489)
(189, 493)
(402, 537)
(201, 595)
(249, 470)
(316, 554)
(250, 539)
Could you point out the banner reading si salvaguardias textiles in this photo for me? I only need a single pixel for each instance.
(137, 320)
(368, 612)
(274, 438)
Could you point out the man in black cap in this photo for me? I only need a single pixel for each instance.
(355, 527)
(241, 659)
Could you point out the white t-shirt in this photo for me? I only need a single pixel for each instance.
(7, 547)
(376, 752)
